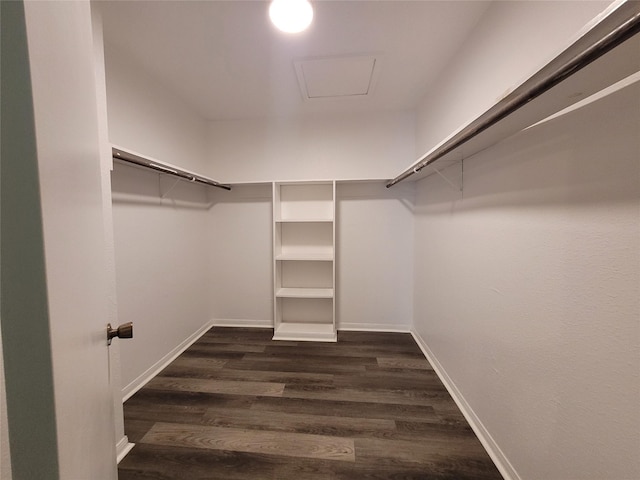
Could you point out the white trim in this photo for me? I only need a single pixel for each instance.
(123, 447)
(239, 322)
(373, 327)
(490, 445)
(152, 371)
(347, 327)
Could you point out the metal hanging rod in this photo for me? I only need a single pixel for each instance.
(620, 25)
(128, 157)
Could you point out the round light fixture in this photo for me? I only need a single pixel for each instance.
(291, 16)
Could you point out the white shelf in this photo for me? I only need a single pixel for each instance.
(289, 292)
(323, 332)
(314, 257)
(304, 220)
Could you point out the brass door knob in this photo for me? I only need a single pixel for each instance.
(123, 331)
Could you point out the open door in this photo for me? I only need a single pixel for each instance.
(55, 285)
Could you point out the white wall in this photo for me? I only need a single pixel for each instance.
(528, 291)
(374, 243)
(240, 254)
(511, 42)
(161, 266)
(161, 245)
(331, 148)
(373, 287)
(147, 118)
(374, 269)
(532, 273)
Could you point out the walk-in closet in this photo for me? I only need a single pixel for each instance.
(401, 243)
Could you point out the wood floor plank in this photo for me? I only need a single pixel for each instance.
(178, 463)
(225, 347)
(199, 362)
(442, 467)
(224, 340)
(238, 406)
(370, 351)
(268, 389)
(291, 365)
(203, 351)
(376, 338)
(386, 380)
(149, 397)
(178, 370)
(418, 451)
(306, 358)
(340, 426)
(396, 362)
(136, 429)
(165, 413)
(402, 397)
(433, 428)
(312, 406)
(252, 441)
(299, 423)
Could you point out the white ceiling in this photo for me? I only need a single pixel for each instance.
(226, 61)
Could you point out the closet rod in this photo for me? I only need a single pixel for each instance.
(169, 170)
(620, 25)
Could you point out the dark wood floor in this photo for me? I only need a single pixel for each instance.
(237, 405)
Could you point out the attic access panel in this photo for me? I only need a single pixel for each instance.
(337, 76)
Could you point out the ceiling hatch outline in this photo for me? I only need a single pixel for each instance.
(321, 78)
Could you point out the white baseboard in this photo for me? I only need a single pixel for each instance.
(123, 447)
(492, 448)
(373, 327)
(152, 371)
(354, 327)
(349, 327)
(235, 322)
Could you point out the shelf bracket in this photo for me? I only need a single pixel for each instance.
(451, 183)
(163, 195)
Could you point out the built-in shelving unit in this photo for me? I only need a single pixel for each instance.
(304, 261)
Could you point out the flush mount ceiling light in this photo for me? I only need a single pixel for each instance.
(291, 16)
